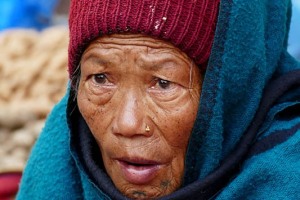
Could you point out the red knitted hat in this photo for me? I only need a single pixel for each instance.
(187, 24)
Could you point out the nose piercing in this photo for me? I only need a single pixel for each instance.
(147, 129)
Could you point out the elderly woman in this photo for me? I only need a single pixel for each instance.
(173, 99)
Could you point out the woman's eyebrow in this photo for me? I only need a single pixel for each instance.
(95, 59)
(159, 63)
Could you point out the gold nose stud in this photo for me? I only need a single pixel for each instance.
(147, 129)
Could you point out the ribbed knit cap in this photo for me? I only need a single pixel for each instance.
(187, 24)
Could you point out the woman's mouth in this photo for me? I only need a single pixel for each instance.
(138, 171)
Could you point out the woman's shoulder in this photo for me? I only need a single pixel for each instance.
(272, 167)
(271, 174)
(50, 169)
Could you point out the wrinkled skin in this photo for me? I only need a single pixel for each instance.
(128, 83)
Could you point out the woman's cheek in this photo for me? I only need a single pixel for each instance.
(176, 122)
(97, 95)
(88, 104)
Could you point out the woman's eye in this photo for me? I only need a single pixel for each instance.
(100, 78)
(101, 83)
(164, 84)
(164, 90)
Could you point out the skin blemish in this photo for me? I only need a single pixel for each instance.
(165, 184)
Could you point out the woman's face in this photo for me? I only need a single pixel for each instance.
(139, 97)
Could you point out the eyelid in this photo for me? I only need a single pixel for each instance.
(166, 95)
(90, 67)
(99, 88)
(155, 85)
(96, 76)
(174, 81)
(107, 83)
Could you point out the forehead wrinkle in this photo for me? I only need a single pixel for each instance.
(139, 41)
(149, 54)
(99, 53)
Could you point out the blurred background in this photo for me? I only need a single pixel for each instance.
(33, 74)
(33, 77)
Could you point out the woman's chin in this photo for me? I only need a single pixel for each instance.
(149, 191)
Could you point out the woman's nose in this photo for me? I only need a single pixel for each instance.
(130, 116)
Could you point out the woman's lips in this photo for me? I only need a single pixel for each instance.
(138, 171)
